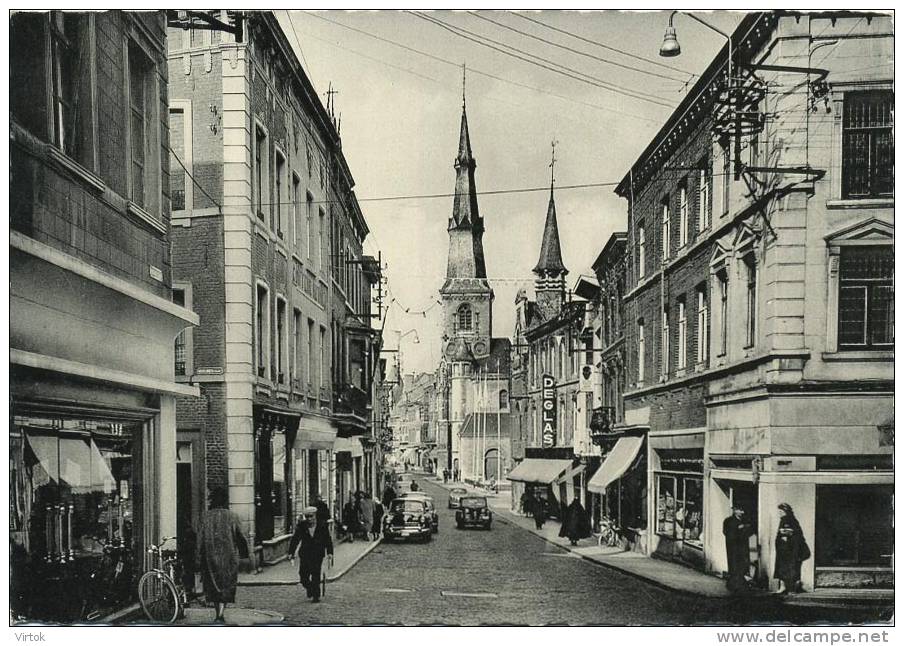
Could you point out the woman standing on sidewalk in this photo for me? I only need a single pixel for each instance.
(790, 550)
(222, 545)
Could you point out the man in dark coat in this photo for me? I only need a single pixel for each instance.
(377, 527)
(538, 507)
(350, 517)
(323, 510)
(312, 539)
(389, 494)
(576, 524)
(737, 531)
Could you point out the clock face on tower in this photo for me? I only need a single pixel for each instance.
(480, 348)
(450, 348)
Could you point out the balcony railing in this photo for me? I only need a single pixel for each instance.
(351, 400)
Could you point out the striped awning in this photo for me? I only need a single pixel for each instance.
(537, 470)
(616, 463)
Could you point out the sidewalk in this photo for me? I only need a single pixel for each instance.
(346, 555)
(664, 574)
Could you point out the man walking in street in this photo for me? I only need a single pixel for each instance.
(539, 511)
(312, 539)
(576, 523)
(737, 531)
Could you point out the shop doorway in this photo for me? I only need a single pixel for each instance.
(744, 494)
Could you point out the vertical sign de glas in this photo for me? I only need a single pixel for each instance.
(548, 402)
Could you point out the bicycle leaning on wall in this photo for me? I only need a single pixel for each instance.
(160, 590)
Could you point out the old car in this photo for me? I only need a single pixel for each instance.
(408, 518)
(455, 496)
(473, 511)
(431, 506)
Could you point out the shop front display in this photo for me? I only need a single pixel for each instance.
(75, 515)
(274, 437)
(678, 505)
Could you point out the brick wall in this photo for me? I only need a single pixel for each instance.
(66, 212)
(207, 414)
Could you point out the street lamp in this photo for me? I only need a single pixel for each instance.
(671, 48)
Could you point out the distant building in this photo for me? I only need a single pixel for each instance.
(93, 449)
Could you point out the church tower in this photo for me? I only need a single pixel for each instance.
(466, 296)
(550, 270)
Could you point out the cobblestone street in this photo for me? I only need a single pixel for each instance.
(504, 576)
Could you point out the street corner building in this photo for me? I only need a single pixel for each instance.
(267, 248)
(92, 433)
(758, 309)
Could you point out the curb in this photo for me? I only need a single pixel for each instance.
(329, 579)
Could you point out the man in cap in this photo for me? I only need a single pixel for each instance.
(313, 542)
(737, 531)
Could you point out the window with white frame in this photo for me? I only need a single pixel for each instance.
(281, 340)
(309, 222)
(703, 189)
(143, 131)
(666, 229)
(321, 253)
(641, 351)
(296, 348)
(260, 178)
(321, 373)
(297, 222)
(682, 334)
(683, 215)
(722, 282)
(311, 357)
(702, 325)
(641, 250)
(867, 144)
(665, 347)
(866, 297)
(750, 303)
(70, 77)
(278, 205)
(262, 330)
(183, 345)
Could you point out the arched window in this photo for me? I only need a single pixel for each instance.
(464, 317)
(503, 399)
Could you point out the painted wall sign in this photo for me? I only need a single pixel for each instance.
(548, 416)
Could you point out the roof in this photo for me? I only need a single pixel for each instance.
(469, 428)
(550, 261)
(464, 208)
(613, 249)
(499, 359)
(571, 311)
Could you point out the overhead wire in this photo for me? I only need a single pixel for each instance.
(480, 15)
(651, 61)
(478, 71)
(541, 62)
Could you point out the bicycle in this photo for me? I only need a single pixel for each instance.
(609, 533)
(108, 585)
(160, 590)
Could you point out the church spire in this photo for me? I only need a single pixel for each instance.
(465, 226)
(550, 264)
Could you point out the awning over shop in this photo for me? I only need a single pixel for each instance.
(539, 470)
(348, 445)
(616, 463)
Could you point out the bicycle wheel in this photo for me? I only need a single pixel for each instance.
(158, 597)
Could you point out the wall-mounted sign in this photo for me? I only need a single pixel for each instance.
(588, 378)
(548, 415)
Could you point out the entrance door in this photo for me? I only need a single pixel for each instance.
(263, 485)
(491, 465)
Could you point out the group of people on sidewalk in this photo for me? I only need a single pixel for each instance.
(362, 517)
(575, 519)
(791, 550)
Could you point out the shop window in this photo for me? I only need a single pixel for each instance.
(75, 491)
(866, 304)
(679, 508)
(279, 492)
(867, 144)
(854, 525)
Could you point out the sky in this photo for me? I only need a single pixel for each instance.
(400, 114)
